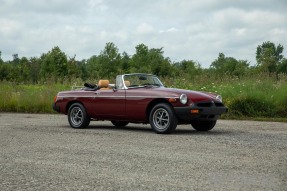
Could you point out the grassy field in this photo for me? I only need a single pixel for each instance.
(252, 98)
(28, 98)
(260, 97)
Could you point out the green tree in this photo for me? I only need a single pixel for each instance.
(147, 60)
(187, 68)
(282, 67)
(1, 61)
(54, 64)
(229, 66)
(16, 59)
(83, 69)
(73, 70)
(125, 63)
(241, 68)
(5, 69)
(35, 69)
(219, 63)
(158, 63)
(1, 68)
(109, 61)
(93, 67)
(268, 56)
(139, 61)
(23, 70)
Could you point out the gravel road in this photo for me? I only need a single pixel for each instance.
(41, 152)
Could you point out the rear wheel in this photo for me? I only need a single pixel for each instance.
(162, 118)
(120, 123)
(77, 116)
(203, 125)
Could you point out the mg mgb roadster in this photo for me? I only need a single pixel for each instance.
(139, 98)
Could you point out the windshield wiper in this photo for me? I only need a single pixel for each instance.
(151, 85)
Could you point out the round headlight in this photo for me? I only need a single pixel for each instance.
(219, 98)
(183, 98)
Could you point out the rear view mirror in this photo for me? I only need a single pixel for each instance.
(142, 78)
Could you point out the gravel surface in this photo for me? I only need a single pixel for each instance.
(41, 152)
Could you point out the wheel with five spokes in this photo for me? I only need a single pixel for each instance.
(162, 118)
(77, 116)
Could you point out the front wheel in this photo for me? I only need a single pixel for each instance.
(203, 125)
(162, 118)
(77, 116)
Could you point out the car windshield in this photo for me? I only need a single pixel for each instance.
(141, 80)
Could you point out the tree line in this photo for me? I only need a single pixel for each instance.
(57, 66)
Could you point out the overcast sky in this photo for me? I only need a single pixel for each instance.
(186, 29)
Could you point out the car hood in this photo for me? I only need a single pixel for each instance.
(194, 96)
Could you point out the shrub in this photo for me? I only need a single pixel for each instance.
(252, 107)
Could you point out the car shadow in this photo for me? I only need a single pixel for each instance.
(148, 129)
(213, 132)
(125, 128)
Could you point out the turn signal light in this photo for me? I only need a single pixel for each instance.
(194, 111)
(172, 100)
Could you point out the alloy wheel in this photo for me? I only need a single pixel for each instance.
(161, 118)
(76, 116)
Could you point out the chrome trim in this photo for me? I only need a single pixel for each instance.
(151, 97)
(123, 80)
(115, 97)
(75, 96)
(219, 98)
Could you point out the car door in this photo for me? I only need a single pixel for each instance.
(109, 104)
(137, 101)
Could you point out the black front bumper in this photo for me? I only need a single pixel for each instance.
(56, 108)
(212, 113)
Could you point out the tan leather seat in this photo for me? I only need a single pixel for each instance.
(104, 84)
(127, 83)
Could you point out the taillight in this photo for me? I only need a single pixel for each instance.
(55, 99)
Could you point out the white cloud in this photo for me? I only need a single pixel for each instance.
(186, 29)
(9, 28)
(170, 30)
(239, 31)
(144, 29)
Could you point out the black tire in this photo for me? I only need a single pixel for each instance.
(162, 118)
(77, 116)
(203, 125)
(120, 123)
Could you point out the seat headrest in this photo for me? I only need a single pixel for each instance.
(127, 83)
(104, 83)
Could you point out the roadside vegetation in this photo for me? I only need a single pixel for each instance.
(256, 92)
(259, 97)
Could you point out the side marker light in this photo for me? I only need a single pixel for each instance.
(172, 100)
(194, 111)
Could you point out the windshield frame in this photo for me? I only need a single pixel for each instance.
(121, 79)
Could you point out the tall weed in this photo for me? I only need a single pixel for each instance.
(28, 98)
(256, 96)
(253, 96)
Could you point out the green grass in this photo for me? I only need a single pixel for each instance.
(257, 98)
(28, 98)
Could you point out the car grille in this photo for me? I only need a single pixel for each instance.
(209, 104)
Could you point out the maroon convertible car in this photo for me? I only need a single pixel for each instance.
(139, 98)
